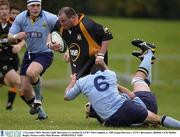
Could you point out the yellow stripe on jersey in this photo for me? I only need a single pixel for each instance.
(93, 46)
(61, 30)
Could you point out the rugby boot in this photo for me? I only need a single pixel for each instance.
(39, 118)
(140, 55)
(89, 111)
(144, 46)
(41, 114)
(35, 107)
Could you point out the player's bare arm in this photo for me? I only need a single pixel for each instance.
(17, 47)
(71, 84)
(55, 42)
(17, 37)
(66, 56)
(126, 91)
(102, 52)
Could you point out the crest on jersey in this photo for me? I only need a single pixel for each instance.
(44, 24)
(79, 37)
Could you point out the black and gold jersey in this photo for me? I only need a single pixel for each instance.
(5, 47)
(84, 41)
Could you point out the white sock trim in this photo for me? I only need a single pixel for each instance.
(37, 101)
(137, 80)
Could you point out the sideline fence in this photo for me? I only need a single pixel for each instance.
(126, 75)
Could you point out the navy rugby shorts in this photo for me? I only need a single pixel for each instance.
(129, 113)
(149, 100)
(45, 59)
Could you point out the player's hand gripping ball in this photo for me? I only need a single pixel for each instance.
(56, 38)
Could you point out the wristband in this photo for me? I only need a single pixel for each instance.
(100, 57)
(100, 54)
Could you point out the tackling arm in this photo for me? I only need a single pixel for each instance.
(17, 37)
(12, 38)
(69, 87)
(17, 47)
(126, 91)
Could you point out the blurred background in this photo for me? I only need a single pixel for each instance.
(166, 9)
(155, 21)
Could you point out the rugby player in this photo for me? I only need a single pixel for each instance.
(8, 56)
(87, 40)
(126, 108)
(14, 11)
(33, 26)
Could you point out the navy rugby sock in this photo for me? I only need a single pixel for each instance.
(11, 98)
(30, 102)
(24, 99)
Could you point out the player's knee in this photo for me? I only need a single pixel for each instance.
(16, 82)
(31, 74)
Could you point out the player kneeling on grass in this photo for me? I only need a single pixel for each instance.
(124, 108)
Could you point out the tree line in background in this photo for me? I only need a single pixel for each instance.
(166, 9)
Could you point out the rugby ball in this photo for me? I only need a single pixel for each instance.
(56, 38)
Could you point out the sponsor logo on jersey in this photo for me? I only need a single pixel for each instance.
(74, 50)
(34, 34)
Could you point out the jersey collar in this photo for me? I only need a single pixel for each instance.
(28, 14)
(81, 16)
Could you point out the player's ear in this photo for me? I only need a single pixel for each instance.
(27, 7)
(73, 17)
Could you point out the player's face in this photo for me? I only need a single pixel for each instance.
(13, 13)
(4, 12)
(34, 10)
(65, 22)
